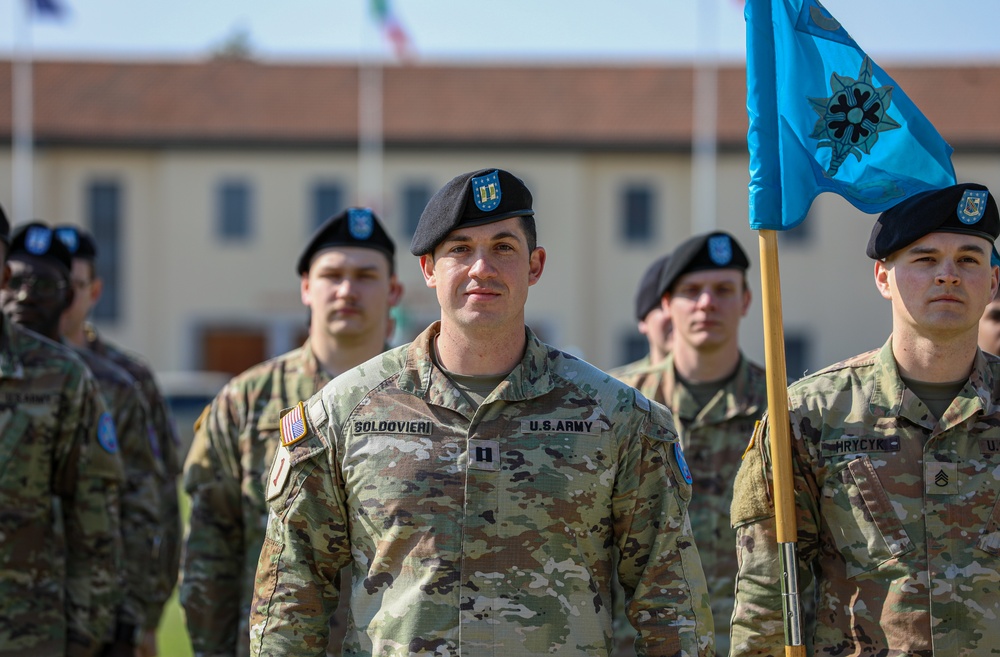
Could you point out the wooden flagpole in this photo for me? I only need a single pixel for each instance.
(781, 443)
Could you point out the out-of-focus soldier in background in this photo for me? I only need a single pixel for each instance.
(481, 485)
(142, 508)
(79, 332)
(140, 505)
(989, 327)
(60, 472)
(653, 319)
(715, 394)
(349, 284)
(895, 458)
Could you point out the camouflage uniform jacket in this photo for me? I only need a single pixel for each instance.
(644, 377)
(714, 438)
(486, 531)
(898, 513)
(59, 546)
(225, 473)
(166, 450)
(140, 495)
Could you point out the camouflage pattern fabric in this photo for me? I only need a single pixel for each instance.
(166, 450)
(898, 513)
(140, 496)
(59, 541)
(225, 476)
(643, 376)
(479, 531)
(714, 438)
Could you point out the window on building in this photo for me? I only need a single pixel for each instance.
(327, 200)
(798, 348)
(234, 215)
(415, 197)
(232, 349)
(638, 213)
(104, 218)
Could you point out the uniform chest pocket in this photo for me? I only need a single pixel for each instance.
(860, 518)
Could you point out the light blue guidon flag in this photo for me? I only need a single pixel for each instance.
(825, 118)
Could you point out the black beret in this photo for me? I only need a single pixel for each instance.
(967, 208)
(78, 241)
(648, 297)
(4, 227)
(471, 199)
(352, 227)
(716, 250)
(39, 240)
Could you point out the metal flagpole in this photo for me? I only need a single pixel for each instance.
(370, 138)
(22, 107)
(704, 124)
(370, 135)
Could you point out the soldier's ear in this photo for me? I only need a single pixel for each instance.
(395, 291)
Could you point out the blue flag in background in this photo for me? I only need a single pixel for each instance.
(45, 8)
(825, 118)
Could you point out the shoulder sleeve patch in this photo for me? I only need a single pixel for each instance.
(682, 463)
(106, 436)
(293, 425)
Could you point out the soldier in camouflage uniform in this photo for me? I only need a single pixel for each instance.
(76, 331)
(896, 460)
(481, 485)
(60, 547)
(348, 282)
(140, 510)
(716, 395)
(654, 322)
(644, 375)
(989, 328)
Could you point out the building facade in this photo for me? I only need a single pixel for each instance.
(201, 181)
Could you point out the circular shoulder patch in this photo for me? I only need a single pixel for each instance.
(106, 436)
(681, 463)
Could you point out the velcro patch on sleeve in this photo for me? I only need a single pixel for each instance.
(278, 475)
(293, 425)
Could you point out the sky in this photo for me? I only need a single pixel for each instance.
(923, 31)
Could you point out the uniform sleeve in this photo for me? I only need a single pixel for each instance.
(90, 476)
(306, 545)
(168, 555)
(213, 555)
(666, 596)
(757, 624)
(140, 510)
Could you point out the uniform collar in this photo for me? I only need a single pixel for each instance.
(743, 395)
(530, 378)
(93, 339)
(891, 397)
